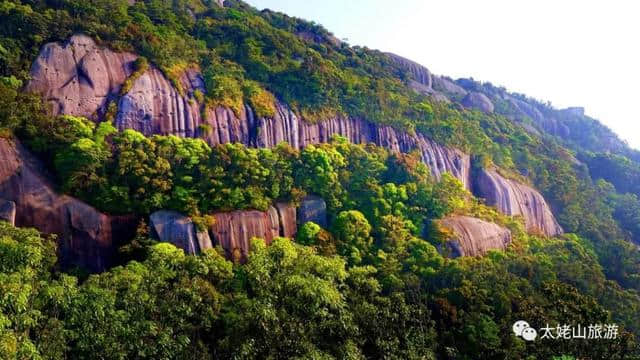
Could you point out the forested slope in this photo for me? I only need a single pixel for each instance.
(407, 215)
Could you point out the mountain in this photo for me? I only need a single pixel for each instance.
(443, 210)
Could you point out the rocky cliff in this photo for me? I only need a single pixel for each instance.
(234, 230)
(514, 198)
(154, 106)
(420, 77)
(86, 236)
(472, 236)
(78, 77)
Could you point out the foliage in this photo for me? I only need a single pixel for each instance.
(373, 285)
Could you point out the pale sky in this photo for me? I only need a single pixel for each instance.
(569, 52)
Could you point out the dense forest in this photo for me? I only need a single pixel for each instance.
(377, 281)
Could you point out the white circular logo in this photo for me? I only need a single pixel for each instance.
(519, 326)
(529, 334)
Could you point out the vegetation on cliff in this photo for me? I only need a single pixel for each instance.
(371, 285)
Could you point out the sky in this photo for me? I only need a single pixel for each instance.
(571, 53)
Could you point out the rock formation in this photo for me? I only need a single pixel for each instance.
(478, 101)
(421, 76)
(287, 126)
(472, 236)
(314, 209)
(78, 77)
(175, 228)
(514, 198)
(85, 236)
(8, 211)
(154, 106)
(447, 86)
(234, 230)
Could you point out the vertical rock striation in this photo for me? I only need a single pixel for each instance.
(154, 106)
(80, 78)
(421, 81)
(514, 198)
(234, 230)
(287, 126)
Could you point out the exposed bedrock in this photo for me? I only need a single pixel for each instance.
(78, 77)
(175, 228)
(314, 209)
(472, 236)
(85, 236)
(514, 198)
(287, 126)
(420, 74)
(478, 101)
(448, 87)
(153, 105)
(8, 211)
(234, 230)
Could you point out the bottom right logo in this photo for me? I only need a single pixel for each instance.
(522, 329)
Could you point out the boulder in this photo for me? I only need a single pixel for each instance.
(313, 208)
(447, 86)
(179, 230)
(478, 101)
(86, 237)
(8, 211)
(472, 236)
(513, 198)
(78, 77)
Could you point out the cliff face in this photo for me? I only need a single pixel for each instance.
(287, 126)
(234, 230)
(472, 236)
(175, 228)
(85, 235)
(513, 198)
(78, 77)
(421, 79)
(313, 209)
(154, 106)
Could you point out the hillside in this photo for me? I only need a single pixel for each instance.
(207, 180)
